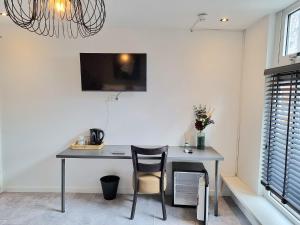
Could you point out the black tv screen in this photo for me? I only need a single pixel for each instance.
(113, 71)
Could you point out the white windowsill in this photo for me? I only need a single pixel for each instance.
(257, 207)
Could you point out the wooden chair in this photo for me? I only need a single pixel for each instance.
(149, 178)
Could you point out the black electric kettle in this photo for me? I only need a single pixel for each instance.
(96, 136)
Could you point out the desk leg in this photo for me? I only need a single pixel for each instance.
(217, 185)
(63, 185)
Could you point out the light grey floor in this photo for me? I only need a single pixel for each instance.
(92, 209)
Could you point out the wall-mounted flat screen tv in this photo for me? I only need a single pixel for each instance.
(113, 71)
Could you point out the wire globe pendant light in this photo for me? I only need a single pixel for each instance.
(55, 18)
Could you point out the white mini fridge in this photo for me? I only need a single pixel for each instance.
(190, 187)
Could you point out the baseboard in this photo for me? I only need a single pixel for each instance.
(121, 190)
(94, 189)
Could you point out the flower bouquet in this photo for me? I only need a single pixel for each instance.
(203, 119)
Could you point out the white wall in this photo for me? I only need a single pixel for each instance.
(44, 108)
(257, 50)
(1, 165)
(1, 108)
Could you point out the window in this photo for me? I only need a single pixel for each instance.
(293, 33)
(281, 143)
(287, 34)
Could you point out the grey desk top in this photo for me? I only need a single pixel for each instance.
(111, 152)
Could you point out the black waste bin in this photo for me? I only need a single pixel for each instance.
(109, 186)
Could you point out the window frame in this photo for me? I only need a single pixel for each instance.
(286, 35)
(282, 27)
(291, 214)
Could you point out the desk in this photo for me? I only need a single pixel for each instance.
(175, 153)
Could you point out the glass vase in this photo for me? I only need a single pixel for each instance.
(201, 140)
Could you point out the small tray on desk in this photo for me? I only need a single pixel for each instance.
(86, 147)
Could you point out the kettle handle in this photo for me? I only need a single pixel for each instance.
(101, 132)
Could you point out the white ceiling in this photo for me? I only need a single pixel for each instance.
(182, 13)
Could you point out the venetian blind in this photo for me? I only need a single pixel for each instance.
(281, 150)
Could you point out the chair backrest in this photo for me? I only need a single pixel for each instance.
(157, 153)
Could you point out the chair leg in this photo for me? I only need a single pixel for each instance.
(163, 204)
(133, 204)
